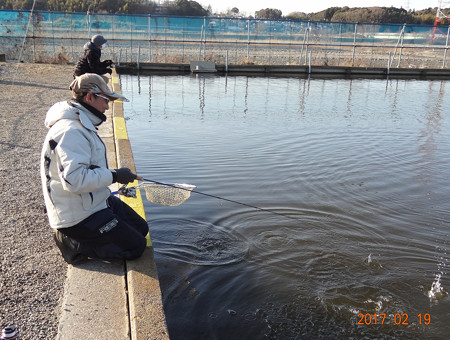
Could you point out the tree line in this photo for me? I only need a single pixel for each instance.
(178, 7)
(193, 8)
(373, 15)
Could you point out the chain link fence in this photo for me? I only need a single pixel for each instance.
(59, 37)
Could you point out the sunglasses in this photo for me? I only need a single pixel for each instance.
(101, 96)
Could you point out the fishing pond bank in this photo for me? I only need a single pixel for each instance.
(40, 294)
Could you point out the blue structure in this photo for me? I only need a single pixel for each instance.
(156, 38)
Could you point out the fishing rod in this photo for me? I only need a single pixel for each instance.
(190, 189)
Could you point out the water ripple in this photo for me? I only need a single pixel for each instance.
(197, 243)
(359, 168)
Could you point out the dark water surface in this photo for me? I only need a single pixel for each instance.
(360, 168)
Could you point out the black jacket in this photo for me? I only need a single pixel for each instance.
(90, 61)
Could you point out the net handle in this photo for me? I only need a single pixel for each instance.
(182, 186)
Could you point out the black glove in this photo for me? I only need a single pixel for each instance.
(123, 176)
(108, 62)
(109, 71)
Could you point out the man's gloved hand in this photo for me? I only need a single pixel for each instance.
(108, 62)
(123, 176)
(109, 71)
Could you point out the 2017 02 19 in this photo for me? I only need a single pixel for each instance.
(397, 318)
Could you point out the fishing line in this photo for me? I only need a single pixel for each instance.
(222, 198)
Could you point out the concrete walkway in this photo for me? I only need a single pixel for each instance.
(114, 300)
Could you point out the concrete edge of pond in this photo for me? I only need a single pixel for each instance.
(290, 71)
(121, 299)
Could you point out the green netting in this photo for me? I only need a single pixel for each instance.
(153, 38)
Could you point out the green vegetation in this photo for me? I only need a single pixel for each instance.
(373, 15)
(178, 7)
(193, 8)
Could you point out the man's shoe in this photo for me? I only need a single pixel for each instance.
(68, 247)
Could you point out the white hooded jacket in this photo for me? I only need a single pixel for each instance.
(74, 170)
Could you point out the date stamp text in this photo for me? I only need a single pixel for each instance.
(397, 319)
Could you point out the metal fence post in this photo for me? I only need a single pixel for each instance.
(248, 39)
(402, 35)
(204, 38)
(309, 62)
(89, 24)
(226, 61)
(340, 42)
(131, 41)
(389, 64)
(33, 37)
(113, 35)
(400, 39)
(201, 43)
(71, 35)
(446, 48)
(354, 44)
(149, 38)
(53, 34)
(305, 41)
(138, 56)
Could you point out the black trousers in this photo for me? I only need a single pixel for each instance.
(117, 232)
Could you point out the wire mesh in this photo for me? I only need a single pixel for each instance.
(167, 195)
(155, 38)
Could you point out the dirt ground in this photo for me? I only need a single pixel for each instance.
(32, 272)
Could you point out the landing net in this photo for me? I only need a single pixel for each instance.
(167, 194)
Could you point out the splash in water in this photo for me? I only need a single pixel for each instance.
(437, 292)
(372, 263)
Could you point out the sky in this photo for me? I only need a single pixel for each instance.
(249, 7)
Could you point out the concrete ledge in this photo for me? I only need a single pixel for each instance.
(291, 70)
(147, 319)
(114, 300)
(146, 313)
(124, 155)
(95, 302)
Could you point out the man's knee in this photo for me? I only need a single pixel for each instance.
(137, 251)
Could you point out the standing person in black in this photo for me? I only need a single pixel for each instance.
(90, 60)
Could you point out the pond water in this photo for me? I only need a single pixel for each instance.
(355, 175)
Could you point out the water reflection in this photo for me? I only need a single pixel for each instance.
(431, 128)
(201, 94)
(361, 164)
(303, 94)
